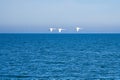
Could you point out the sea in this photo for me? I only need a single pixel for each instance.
(59, 56)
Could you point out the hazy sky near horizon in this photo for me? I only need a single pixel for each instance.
(39, 15)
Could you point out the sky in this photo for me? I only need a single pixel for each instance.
(36, 16)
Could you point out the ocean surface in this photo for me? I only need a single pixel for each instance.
(59, 56)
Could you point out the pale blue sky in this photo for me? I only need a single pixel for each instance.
(39, 15)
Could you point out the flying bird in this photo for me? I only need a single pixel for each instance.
(60, 30)
(51, 29)
(78, 29)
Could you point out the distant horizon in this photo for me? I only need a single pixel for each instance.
(59, 33)
(36, 16)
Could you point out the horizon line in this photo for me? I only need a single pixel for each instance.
(61, 33)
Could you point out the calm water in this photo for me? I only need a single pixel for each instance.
(59, 56)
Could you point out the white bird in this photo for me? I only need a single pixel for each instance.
(60, 29)
(78, 29)
(51, 29)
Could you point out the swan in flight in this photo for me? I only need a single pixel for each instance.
(78, 29)
(51, 29)
(60, 29)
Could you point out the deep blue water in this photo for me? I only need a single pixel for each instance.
(59, 56)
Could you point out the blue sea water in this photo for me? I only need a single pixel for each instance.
(59, 56)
